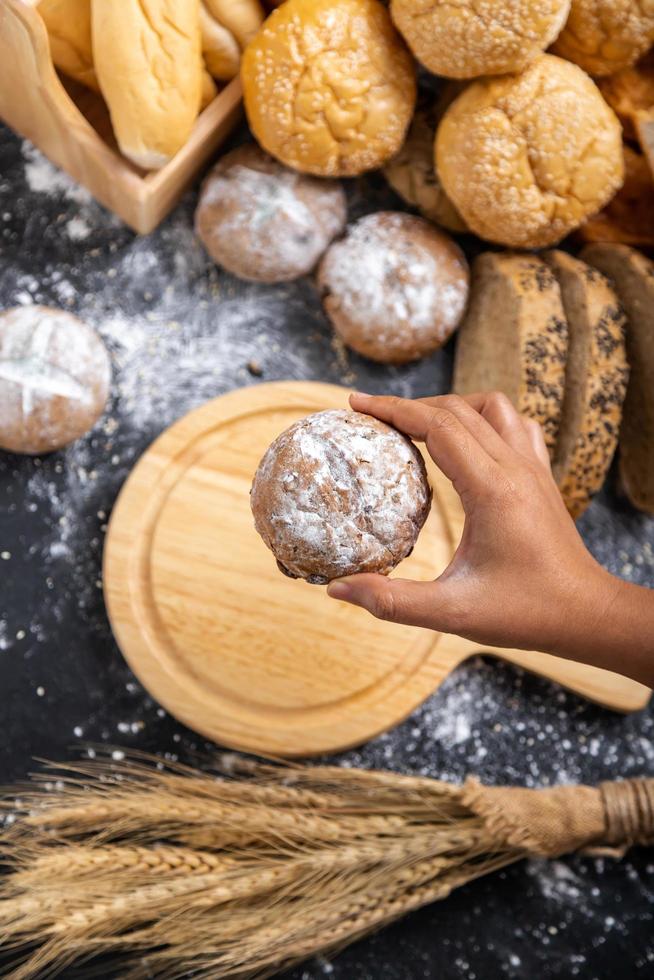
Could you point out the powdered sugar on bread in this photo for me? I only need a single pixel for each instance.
(339, 493)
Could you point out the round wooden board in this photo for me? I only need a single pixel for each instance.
(220, 637)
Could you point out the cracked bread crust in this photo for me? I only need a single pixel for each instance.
(605, 36)
(478, 37)
(514, 337)
(527, 158)
(340, 493)
(596, 381)
(329, 86)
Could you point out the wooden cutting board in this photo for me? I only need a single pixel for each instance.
(239, 652)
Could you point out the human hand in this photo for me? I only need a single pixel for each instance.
(521, 576)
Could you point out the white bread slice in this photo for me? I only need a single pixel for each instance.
(595, 380)
(633, 277)
(514, 337)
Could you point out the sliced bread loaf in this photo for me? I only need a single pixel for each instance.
(514, 337)
(595, 380)
(633, 277)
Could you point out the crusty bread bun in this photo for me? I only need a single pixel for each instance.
(412, 175)
(395, 287)
(628, 218)
(603, 36)
(329, 86)
(69, 30)
(242, 18)
(54, 379)
(220, 50)
(149, 66)
(596, 376)
(478, 37)
(629, 92)
(526, 158)
(340, 493)
(264, 222)
(514, 337)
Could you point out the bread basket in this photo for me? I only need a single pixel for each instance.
(71, 126)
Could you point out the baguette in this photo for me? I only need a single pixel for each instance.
(514, 337)
(595, 381)
(149, 66)
(221, 53)
(633, 277)
(242, 18)
(68, 23)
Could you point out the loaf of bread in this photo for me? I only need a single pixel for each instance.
(514, 337)
(633, 277)
(242, 18)
(603, 36)
(595, 380)
(149, 66)
(412, 174)
(471, 38)
(526, 158)
(220, 50)
(630, 92)
(69, 30)
(329, 86)
(340, 493)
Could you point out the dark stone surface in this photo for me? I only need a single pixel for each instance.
(180, 331)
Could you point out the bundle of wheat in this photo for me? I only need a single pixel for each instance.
(244, 869)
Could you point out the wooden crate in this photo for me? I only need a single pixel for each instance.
(71, 126)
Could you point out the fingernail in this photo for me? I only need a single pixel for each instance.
(361, 396)
(339, 590)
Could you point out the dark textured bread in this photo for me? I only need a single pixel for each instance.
(595, 380)
(339, 493)
(633, 277)
(514, 337)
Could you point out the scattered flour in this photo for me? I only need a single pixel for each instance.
(43, 177)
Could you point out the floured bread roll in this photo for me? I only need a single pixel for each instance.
(340, 493)
(329, 86)
(527, 158)
(54, 379)
(395, 287)
(149, 66)
(263, 222)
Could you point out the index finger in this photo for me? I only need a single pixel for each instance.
(452, 447)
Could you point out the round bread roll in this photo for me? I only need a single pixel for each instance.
(395, 288)
(329, 86)
(54, 379)
(604, 36)
(527, 158)
(266, 223)
(412, 175)
(478, 37)
(340, 493)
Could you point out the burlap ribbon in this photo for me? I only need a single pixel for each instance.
(561, 819)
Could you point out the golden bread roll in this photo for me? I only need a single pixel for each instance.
(527, 158)
(412, 175)
(209, 89)
(68, 23)
(242, 18)
(149, 66)
(629, 217)
(629, 92)
(478, 37)
(329, 86)
(604, 36)
(220, 51)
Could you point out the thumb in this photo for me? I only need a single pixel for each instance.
(396, 600)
